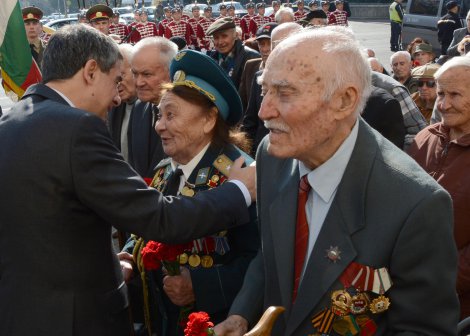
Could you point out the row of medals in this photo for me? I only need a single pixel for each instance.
(195, 260)
(350, 301)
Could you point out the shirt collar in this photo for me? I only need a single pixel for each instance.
(189, 167)
(63, 97)
(325, 179)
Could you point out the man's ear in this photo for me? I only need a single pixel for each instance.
(346, 101)
(90, 71)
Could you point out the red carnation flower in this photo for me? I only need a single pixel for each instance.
(150, 258)
(199, 324)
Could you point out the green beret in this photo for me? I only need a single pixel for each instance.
(200, 72)
(220, 24)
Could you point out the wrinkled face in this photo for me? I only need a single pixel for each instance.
(33, 29)
(264, 46)
(423, 57)
(224, 40)
(126, 86)
(183, 127)
(401, 67)
(453, 99)
(293, 108)
(427, 89)
(150, 71)
(102, 25)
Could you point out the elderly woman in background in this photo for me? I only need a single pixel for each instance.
(195, 117)
(443, 150)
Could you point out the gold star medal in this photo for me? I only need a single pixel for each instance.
(379, 305)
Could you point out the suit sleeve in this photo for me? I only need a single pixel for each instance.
(105, 183)
(423, 268)
(452, 50)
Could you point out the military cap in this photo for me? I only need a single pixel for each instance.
(200, 72)
(451, 4)
(98, 12)
(275, 3)
(265, 30)
(287, 4)
(425, 71)
(195, 7)
(167, 9)
(323, 3)
(300, 2)
(116, 13)
(220, 24)
(250, 5)
(260, 5)
(339, 1)
(229, 7)
(179, 41)
(208, 9)
(175, 10)
(32, 14)
(222, 7)
(423, 47)
(315, 14)
(313, 3)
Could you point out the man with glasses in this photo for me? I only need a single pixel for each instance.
(426, 95)
(461, 36)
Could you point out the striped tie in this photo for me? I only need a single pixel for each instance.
(301, 233)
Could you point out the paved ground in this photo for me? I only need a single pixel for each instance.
(372, 34)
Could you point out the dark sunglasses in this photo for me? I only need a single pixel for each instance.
(429, 84)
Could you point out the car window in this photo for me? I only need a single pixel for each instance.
(424, 7)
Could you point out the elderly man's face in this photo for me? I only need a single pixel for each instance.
(264, 46)
(150, 72)
(126, 86)
(423, 57)
(453, 100)
(33, 29)
(299, 120)
(427, 89)
(183, 127)
(401, 67)
(224, 40)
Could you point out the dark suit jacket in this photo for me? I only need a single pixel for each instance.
(67, 184)
(145, 146)
(251, 67)
(387, 212)
(383, 113)
(458, 36)
(114, 122)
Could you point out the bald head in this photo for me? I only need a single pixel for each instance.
(282, 31)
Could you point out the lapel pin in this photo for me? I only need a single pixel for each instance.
(333, 254)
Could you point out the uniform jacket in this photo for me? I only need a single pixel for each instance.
(371, 222)
(65, 180)
(241, 54)
(447, 162)
(215, 287)
(446, 26)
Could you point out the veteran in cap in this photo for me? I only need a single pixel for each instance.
(423, 53)
(99, 17)
(426, 95)
(315, 18)
(33, 27)
(229, 53)
(197, 115)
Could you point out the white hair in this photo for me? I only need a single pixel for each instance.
(165, 47)
(404, 53)
(126, 51)
(285, 11)
(468, 15)
(283, 31)
(340, 45)
(454, 62)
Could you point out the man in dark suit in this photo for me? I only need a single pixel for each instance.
(150, 65)
(355, 236)
(67, 184)
(458, 36)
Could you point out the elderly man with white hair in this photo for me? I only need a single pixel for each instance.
(443, 150)
(285, 14)
(401, 66)
(356, 238)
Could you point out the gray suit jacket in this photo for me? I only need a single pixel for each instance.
(458, 36)
(64, 185)
(387, 212)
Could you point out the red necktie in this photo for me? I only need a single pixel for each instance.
(301, 233)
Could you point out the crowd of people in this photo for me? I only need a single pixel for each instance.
(353, 218)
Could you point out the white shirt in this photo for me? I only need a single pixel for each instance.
(324, 181)
(63, 96)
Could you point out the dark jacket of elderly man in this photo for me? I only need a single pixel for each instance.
(443, 150)
(66, 184)
(371, 214)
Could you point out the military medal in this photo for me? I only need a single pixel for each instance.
(379, 305)
(186, 191)
(194, 260)
(202, 176)
(346, 326)
(207, 261)
(359, 303)
(183, 259)
(333, 254)
(215, 178)
(341, 301)
(322, 321)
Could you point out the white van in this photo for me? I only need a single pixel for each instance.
(420, 20)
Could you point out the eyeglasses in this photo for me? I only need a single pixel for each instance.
(429, 84)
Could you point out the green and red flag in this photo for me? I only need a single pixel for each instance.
(19, 69)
